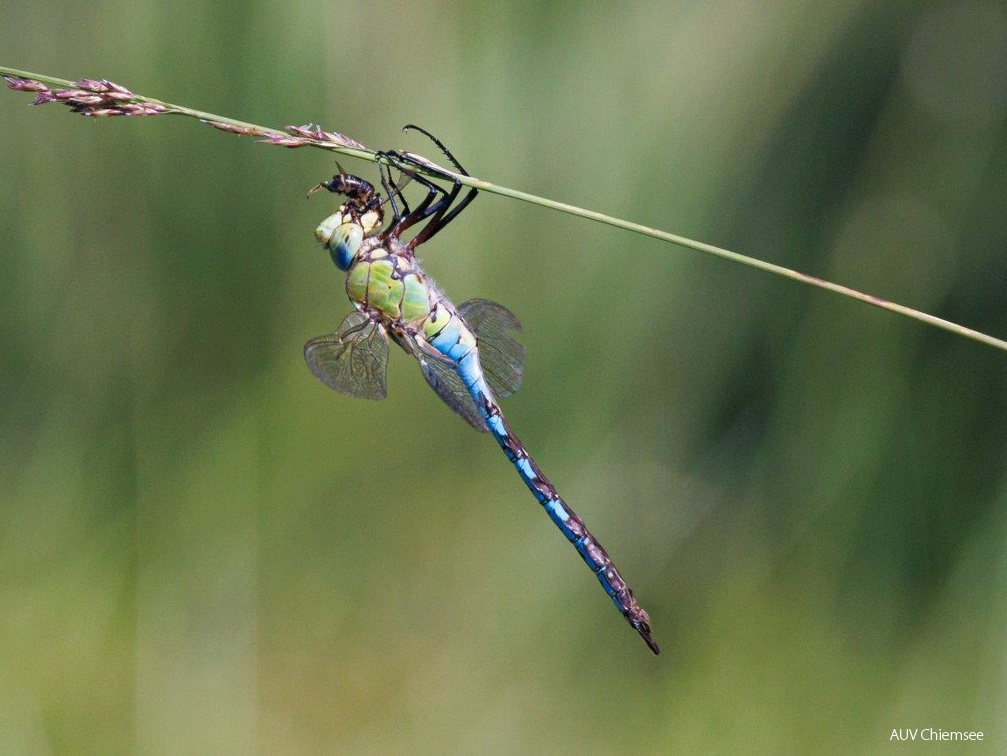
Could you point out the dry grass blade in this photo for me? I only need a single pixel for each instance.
(100, 98)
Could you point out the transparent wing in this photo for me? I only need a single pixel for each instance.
(352, 360)
(442, 375)
(500, 354)
(444, 380)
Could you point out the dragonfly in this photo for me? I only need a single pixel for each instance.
(467, 354)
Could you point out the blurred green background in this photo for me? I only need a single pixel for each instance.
(204, 550)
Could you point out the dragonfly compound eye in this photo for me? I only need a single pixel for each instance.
(342, 236)
(371, 221)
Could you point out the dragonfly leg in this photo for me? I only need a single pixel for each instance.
(393, 190)
(440, 212)
(426, 208)
(433, 209)
(444, 218)
(436, 211)
(440, 145)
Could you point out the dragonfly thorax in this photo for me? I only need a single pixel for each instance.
(385, 279)
(344, 231)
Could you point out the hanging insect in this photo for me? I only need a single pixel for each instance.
(467, 354)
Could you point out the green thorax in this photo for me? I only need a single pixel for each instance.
(385, 278)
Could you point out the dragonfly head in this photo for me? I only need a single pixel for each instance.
(344, 231)
(360, 216)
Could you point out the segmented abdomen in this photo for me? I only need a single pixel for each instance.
(452, 337)
(391, 284)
